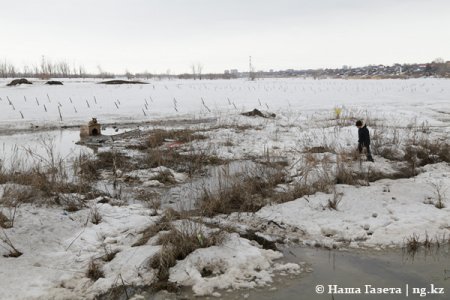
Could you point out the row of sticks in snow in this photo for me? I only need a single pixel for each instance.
(117, 104)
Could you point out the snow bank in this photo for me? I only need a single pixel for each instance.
(236, 264)
(383, 214)
(57, 247)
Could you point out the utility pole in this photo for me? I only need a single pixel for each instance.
(250, 69)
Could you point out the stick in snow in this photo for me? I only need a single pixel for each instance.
(205, 105)
(60, 116)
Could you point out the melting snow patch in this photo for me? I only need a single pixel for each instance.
(235, 264)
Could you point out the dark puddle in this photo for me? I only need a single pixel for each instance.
(423, 276)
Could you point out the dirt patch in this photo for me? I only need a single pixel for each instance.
(122, 82)
(54, 82)
(258, 113)
(19, 81)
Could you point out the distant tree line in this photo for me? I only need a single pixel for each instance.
(47, 69)
(62, 69)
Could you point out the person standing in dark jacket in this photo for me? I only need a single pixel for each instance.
(364, 139)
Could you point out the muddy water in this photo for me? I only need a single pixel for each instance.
(16, 148)
(413, 276)
(391, 269)
(24, 148)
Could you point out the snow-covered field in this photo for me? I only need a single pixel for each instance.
(57, 245)
(78, 101)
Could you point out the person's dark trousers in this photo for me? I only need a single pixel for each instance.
(368, 153)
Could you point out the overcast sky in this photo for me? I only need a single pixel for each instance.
(157, 35)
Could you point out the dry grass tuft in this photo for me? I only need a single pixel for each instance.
(165, 176)
(164, 224)
(109, 254)
(190, 163)
(96, 217)
(151, 231)
(158, 137)
(4, 221)
(150, 198)
(412, 244)
(439, 193)
(427, 243)
(94, 271)
(333, 203)
(243, 193)
(178, 243)
(320, 149)
(13, 252)
(46, 183)
(87, 167)
(16, 195)
(113, 160)
(344, 171)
